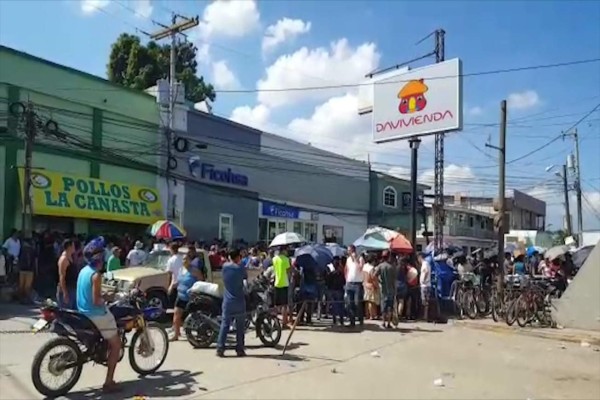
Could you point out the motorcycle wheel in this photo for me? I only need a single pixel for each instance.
(133, 352)
(55, 367)
(268, 330)
(199, 333)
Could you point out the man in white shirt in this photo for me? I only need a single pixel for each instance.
(174, 266)
(425, 281)
(354, 286)
(137, 255)
(12, 245)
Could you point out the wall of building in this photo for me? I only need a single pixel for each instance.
(391, 217)
(229, 145)
(111, 131)
(2, 170)
(204, 204)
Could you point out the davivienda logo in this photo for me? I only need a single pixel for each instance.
(201, 170)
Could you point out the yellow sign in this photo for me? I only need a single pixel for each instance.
(62, 195)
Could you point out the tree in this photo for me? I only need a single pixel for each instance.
(139, 66)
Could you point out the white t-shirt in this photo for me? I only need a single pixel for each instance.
(175, 265)
(12, 246)
(354, 273)
(136, 257)
(425, 278)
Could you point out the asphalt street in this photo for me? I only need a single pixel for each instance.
(417, 361)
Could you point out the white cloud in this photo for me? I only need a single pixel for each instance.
(229, 18)
(555, 208)
(475, 111)
(143, 8)
(283, 30)
(340, 64)
(257, 117)
(456, 178)
(523, 100)
(223, 77)
(91, 6)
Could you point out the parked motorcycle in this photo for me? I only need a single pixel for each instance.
(203, 319)
(79, 342)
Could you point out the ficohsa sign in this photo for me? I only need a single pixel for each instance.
(419, 102)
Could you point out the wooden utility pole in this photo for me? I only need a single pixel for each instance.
(499, 220)
(172, 31)
(30, 133)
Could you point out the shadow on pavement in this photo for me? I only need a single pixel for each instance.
(167, 384)
(12, 310)
(366, 327)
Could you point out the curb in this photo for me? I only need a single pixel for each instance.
(544, 333)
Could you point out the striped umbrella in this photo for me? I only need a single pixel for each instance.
(164, 229)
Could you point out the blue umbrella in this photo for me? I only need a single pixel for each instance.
(336, 250)
(313, 256)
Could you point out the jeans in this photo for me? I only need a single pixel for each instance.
(308, 294)
(354, 299)
(72, 304)
(228, 315)
(336, 297)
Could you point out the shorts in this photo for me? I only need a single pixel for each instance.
(179, 303)
(425, 295)
(281, 296)
(106, 324)
(387, 304)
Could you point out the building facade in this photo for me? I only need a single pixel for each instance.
(523, 212)
(94, 165)
(244, 184)
(390, 202)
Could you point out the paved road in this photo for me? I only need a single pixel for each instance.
(331, 365)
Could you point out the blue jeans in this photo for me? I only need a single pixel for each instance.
(72, 304)
(228, 315)
(354, 298)
(336, 297)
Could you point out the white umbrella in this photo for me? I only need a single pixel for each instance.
(283, 239)
(556, 252)
(388, 234)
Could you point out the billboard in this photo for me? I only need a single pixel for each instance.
(420, 102)
(365, 90)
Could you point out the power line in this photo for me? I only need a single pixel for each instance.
(355, 85)
(556, 138)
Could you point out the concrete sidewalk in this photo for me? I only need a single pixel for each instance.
(563, 335)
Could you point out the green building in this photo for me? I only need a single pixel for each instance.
(98, 171)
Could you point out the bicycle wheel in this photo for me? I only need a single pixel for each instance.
(469, 304)
(511, 313)
(496, 306)
(524, 311)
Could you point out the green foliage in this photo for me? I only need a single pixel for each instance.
(139, 66)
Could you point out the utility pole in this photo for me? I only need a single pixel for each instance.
(577, 184)
(30, 133)
(499, 220)
(565, 179)
(438, 205)
(172, 31)
(414, 148)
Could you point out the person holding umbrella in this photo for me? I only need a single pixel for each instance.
(281, 270)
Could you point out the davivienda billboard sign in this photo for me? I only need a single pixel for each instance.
(419, 102)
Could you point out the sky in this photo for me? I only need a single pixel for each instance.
(253, 47)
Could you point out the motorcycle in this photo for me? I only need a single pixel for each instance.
(203, 319)
(81, 342)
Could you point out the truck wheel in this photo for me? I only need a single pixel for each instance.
(156, 298)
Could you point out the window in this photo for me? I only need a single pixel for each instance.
(310, 231)
(333, 234)
(226, 227)
(389, 197)
(471, 221)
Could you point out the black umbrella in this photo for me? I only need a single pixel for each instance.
(581, 254)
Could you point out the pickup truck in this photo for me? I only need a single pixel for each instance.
(152, 277)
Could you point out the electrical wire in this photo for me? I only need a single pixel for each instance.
(356, 85)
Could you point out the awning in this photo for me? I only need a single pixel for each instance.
(64, 195)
